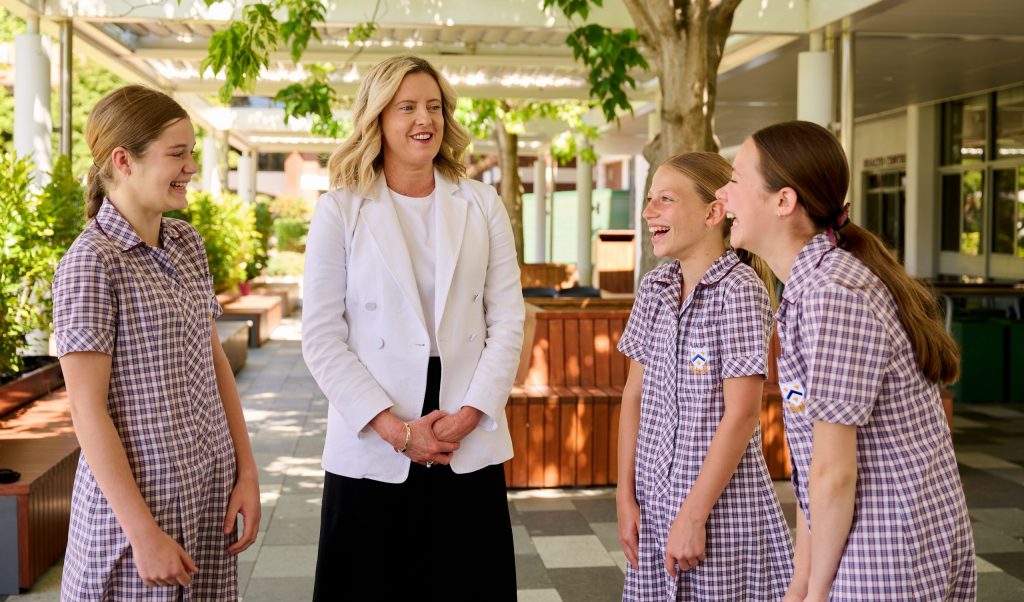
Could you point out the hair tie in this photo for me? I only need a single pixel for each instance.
(844, 217)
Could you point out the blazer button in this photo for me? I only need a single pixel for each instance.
(472, 337)
(476, 296)
(380, 345)
(371, 306)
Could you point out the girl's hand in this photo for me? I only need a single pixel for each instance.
(629, 527)
(161, 561)
(685, 544)
(245, 500)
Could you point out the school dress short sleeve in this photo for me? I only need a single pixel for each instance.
(634, 340)
(150, 308)
(849, 351)
(746, 330)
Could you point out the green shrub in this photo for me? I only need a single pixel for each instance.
(290, 234)
(228, 227)
(264, 224)
(288, 207)
(36, 231)
(286, 263)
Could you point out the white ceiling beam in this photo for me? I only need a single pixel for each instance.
(268, 88)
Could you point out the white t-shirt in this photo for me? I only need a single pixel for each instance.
(416, 217)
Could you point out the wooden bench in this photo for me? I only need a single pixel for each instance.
(234, 338)
(550, 275)
(288, 291)
(39, 442)
(563, 411)
(264, 311)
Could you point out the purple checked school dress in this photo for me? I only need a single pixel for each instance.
(151, 310)
(720, 331)
(846, 359)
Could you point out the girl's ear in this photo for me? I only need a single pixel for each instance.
(715, 214)
(122, 161)
(785, 202)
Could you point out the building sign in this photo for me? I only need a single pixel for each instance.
(888, 161)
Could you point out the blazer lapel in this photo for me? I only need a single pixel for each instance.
(450, 225)
(382, 222)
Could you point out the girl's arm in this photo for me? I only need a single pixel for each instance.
(832, 489)
(158, 558)
(625, 495)
(742, 412)
(245, 496)
(797, 589)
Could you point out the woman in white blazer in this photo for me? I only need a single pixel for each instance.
(412, 327)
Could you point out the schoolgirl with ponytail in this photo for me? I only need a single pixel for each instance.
(698, 516)
(166, 466)
(882, 510)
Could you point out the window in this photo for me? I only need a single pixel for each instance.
(884, 203)
(964, 126)
(271, 161)
(982, 185)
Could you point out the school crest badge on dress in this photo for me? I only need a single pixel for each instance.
(699, 361)
(793, 396)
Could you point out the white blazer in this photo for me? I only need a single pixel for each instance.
(365, 339)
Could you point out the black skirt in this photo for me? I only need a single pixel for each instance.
(439, 535)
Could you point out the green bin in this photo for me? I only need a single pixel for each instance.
(1015, 362)
(982, 360)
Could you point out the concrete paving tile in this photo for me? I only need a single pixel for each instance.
(984, 566)
(983, 461)
(588, 584)
(999, 587)
(572, 551)
(279, 589)
(620, 559)
(543, 504)
(557, 522)
(299, 505)
(597, 510)
(530, 573)
(292, 531)
(1008, 520)
(991, 540)
(285, 561)
(1011, 563)
(521, 540)
(244, 573)
(608, 533)
(538, 595)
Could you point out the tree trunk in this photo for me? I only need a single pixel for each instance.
(687, 39)
(510, 188)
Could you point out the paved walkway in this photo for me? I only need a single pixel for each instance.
(566, 544)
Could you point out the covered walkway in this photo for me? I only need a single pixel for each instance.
(566, 543)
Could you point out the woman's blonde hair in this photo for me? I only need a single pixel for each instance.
(709, 172)
(358, 162)
(131, 117)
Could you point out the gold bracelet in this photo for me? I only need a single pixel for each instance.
(408, 437)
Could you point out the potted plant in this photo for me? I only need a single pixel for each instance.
(37, 230)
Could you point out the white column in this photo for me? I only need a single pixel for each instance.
(922, 215)
(246, 177)
(846, 110)
(66, 59)
(540, 193)
(211, 164)
(814, 83)
(641, 167)
(584, 214)
(32, 122)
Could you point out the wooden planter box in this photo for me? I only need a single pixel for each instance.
(30, 386)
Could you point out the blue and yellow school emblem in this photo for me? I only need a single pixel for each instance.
(793, 396)
(699, 361)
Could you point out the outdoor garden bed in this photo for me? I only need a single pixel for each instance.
(40, 376)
